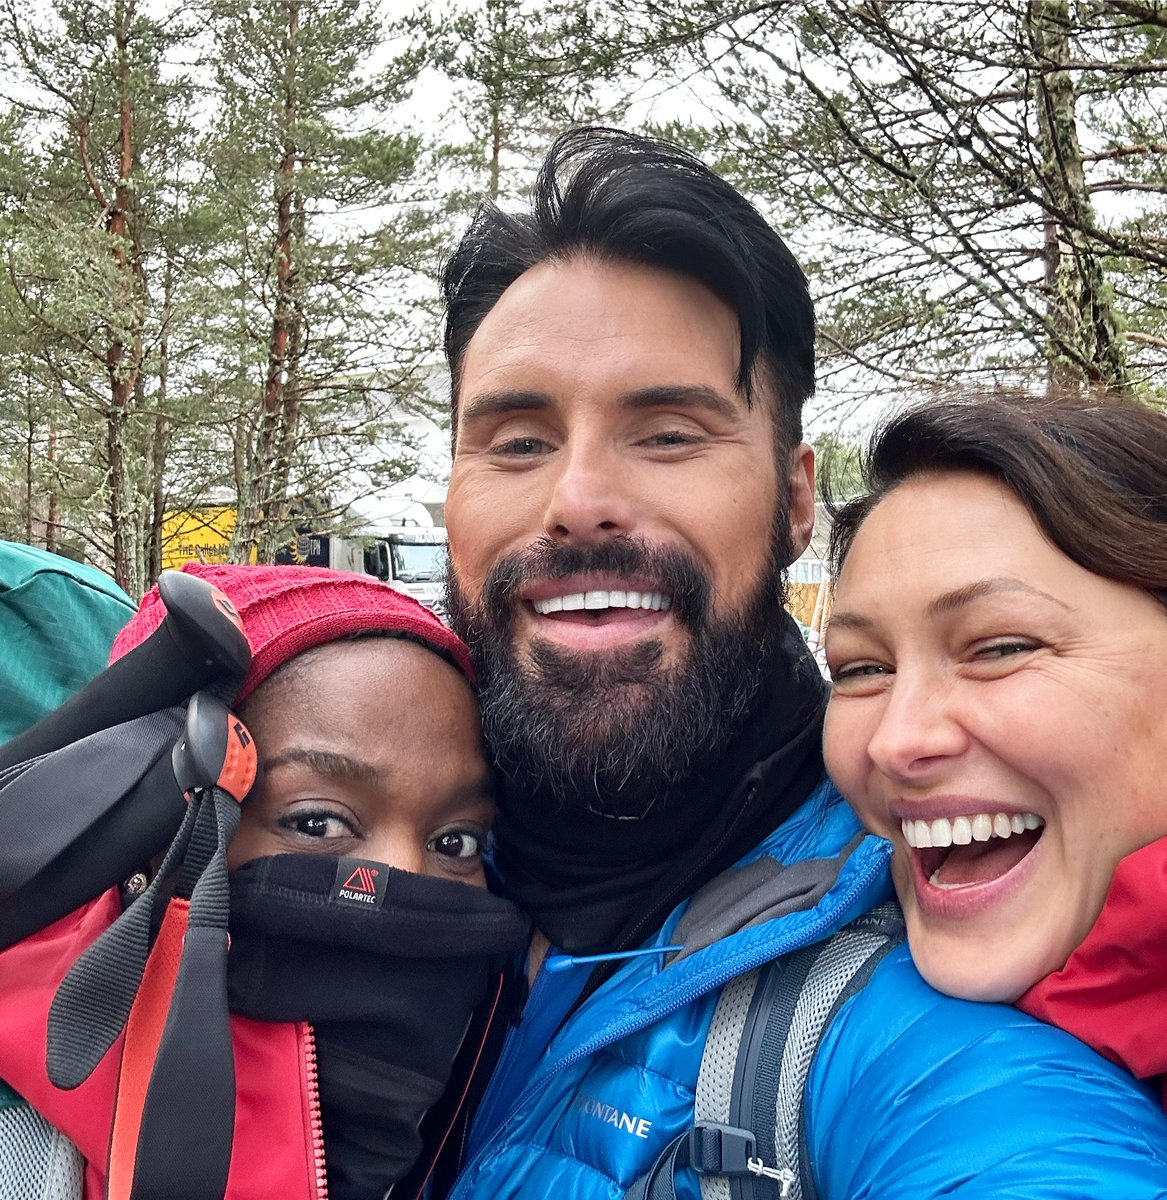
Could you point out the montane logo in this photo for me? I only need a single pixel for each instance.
(625, 1122)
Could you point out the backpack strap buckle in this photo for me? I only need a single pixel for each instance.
(721, 1149)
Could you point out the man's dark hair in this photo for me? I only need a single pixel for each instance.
(618, 197)
(1091, 470)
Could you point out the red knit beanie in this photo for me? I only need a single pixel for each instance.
(287, 610)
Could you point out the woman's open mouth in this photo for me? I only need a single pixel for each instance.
(951, 854)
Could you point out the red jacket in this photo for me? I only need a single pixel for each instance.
(1112, 993)
(278, 1147)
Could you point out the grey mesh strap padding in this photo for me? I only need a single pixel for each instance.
(16, 770)
(37, 1162)
(719, 1064)
(93, 1001)
(837, 974)
(786, 1005)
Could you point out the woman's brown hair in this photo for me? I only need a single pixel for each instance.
(1092, 473)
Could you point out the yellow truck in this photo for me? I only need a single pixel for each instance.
(411, 559)
(200, 534)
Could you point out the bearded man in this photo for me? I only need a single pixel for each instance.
(629, 362)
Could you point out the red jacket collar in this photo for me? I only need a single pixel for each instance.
(1112, 993)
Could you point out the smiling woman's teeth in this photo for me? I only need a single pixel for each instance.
(960, 831)
(593, 601)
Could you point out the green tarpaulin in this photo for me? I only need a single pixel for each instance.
(57, 622)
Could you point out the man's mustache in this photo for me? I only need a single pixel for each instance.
(670, 570)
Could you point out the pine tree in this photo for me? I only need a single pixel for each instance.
(520, 72)
(96, 111)
(319, 249)
(977, 189)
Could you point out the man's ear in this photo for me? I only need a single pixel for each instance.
(800, 496)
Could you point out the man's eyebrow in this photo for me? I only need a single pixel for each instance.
(494, 404)
(666, 395)
(951, 601)
(325, 762)
(683, 395)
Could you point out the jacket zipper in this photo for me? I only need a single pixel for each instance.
(504, 1068)
(315, 1124)
(812, 933)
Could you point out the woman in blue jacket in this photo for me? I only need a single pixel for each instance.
(999, 655)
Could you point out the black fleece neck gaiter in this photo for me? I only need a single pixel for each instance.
(601, 883)
(388, 968)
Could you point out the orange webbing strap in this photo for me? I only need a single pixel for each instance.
(143, 1035)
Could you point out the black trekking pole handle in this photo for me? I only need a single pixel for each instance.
(200, 643)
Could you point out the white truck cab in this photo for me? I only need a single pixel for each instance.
(413, 561)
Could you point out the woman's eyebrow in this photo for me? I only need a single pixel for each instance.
(327, 763)
(841, 619)
(481, 790)
(959, 597)
(953, 600)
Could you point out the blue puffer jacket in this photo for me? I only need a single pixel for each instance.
(912, 1094)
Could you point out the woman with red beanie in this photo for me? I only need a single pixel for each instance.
(364, 944)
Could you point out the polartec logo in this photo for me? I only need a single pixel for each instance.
(359, 882)
(625, 1122)
(363, 879)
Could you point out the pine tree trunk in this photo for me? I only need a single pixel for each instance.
(123, 355)
(262, 507)
(1084, 343)
(495, 152)
(53, 518)
(29, 481)
(497, 86)
(160, 441)
(285, 450)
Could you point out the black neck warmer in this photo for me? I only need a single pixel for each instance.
(388, 970)
(598, 883)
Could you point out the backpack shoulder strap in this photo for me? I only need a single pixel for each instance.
(748, 1140)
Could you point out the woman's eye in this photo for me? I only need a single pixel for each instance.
(857, 670)
(316, 825)
(1006, 648)
(457, 843)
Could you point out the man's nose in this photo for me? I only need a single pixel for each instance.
(589, 499)
(919, 731)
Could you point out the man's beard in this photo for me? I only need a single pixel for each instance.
(615, 732)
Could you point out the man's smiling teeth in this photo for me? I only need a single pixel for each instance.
(593, 601)
(960, 831)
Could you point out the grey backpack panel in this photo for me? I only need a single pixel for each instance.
(37, 1162)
